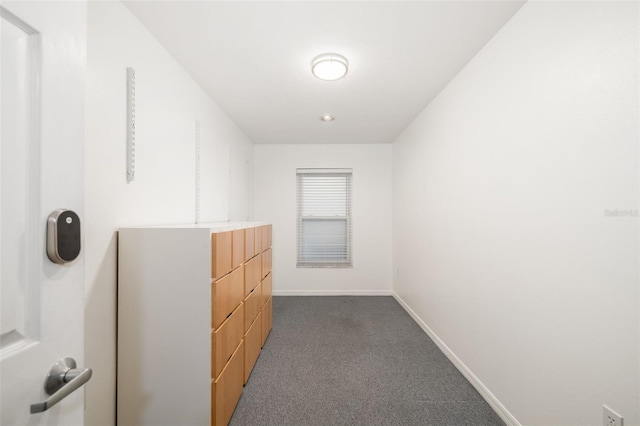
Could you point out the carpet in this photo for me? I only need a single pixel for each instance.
(354, 361)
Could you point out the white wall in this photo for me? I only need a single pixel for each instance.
(168, 102)
(501, 240)
(275, 202)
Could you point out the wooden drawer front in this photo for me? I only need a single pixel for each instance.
(265, 237)
(237, 247)
(253, 269)
(252, 346)
(267, 319)
(227, 388)
(227, 294)
(252, 305)
(225, 340)
(267, 285)
(249, 243)
(258, 239)
(269, 235)
(266, 262)
(221, 253)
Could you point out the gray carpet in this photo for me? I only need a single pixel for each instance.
(354, 361)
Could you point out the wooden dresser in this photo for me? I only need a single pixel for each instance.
(194, 310)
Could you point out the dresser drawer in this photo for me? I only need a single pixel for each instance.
(221, 253)
(252, 272)
(258, 239)
(237, 248)
(249, 243)
(227, 388)
(267, 285)
(266, 262)
(252, 346)
(269, 235)
(267, 319)
(264, 230)
(225, 340)
(227, 293)
(252, 305)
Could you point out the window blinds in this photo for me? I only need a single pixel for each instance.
(324, 217)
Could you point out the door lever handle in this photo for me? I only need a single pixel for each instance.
(62, 380)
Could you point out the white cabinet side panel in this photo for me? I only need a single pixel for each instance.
(164, 322)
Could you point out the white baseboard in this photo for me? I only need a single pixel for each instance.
(497, 406)
(332, 293)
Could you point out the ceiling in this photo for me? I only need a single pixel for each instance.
(253, 59)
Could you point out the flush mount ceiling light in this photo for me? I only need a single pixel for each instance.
(327, 118)
(329, 66)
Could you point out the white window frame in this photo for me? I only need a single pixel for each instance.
(318, 261)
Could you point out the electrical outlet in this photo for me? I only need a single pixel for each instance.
(611, 418)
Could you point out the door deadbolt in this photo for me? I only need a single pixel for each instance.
(63, 236)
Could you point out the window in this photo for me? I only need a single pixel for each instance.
(324, 217)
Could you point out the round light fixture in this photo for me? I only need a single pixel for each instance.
(327, 118)
(329, 66)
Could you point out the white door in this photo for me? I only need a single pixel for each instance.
(42, 69)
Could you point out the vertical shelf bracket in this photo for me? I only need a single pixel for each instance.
(197, 206)
(131, 124)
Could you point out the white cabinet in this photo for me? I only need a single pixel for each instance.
(194, 309)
